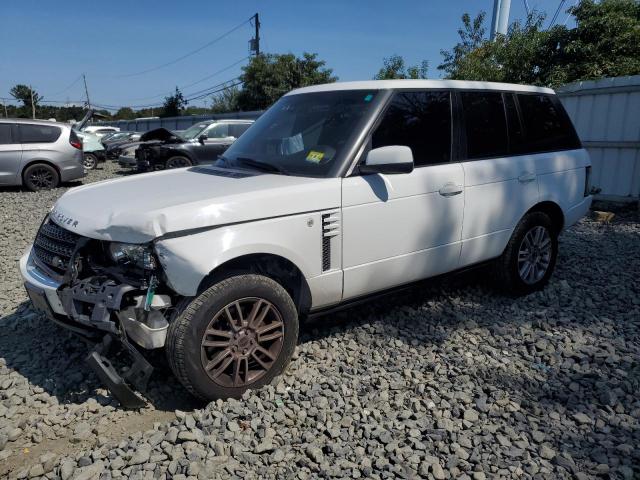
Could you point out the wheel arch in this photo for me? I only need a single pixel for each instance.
(274, 266)
(553, 210)
(176, 152)
(39, 161)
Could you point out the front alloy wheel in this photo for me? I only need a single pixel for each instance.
(238, 334)
(178, 162)
(242, 342)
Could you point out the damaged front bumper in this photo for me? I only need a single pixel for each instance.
(93, 308)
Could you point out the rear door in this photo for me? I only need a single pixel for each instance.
(38, 141)
(500, 185)
(550, 138)
(10, 154)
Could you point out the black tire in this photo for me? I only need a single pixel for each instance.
(40, 176)
(90, 161)
(508, 267)
(187, 355)
(178, 161)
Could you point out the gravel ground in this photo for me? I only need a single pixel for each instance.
(451, 380)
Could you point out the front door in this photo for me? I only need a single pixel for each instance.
(217, 141)
(405, 227)
(10, 154)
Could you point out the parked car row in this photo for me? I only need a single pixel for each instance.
(159, 149)
(39, 154)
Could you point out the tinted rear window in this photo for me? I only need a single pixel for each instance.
(421, 121)
(5, 134)
(546, 125)
(39, 133)
(485, 124)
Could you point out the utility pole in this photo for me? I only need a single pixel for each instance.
(500, 20)
(5, 109)
(86, 90)
(33, 105)
(256, 40)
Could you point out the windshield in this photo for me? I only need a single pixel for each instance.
(193, 131)
(302, 134)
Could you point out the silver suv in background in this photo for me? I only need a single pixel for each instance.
(38, 154)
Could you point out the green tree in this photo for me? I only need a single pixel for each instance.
(22, 93)
(604, 42)
(394, 68)
(173, 104)
(226, 101)
(125, 113)
(269, 76)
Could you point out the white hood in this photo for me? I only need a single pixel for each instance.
(140, 208)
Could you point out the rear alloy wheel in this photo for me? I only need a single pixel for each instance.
(238, 334)
(178, 162)
(41, 177)
(530, 257)
(90, 161)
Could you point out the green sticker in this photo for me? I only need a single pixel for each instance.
(315, 157)
(368, 98)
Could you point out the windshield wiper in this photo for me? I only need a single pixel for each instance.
(263, 166)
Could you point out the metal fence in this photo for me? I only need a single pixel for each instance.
(175, 123)
(606, 113)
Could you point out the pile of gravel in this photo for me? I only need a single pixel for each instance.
(451, 380)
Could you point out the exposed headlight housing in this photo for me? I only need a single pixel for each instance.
(133, 255)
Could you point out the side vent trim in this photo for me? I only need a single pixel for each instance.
(330, 229)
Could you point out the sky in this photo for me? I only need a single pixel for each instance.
(50, 44)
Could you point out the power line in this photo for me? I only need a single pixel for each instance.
(69, 87)
(196, 82)
(210, 91)
(193, 52)
(555, 16)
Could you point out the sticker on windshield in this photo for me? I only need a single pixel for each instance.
(368, 98)
(315, 156)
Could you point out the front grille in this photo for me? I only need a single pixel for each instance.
(54, 246)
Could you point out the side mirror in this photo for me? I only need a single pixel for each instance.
(202, 138)
(391, 159)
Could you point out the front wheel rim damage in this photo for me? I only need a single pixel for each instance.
(534, 255)
(242, 342)
(41, 178)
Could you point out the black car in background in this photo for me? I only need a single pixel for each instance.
(200, 143)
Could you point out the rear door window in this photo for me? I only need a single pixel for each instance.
(39, 133)
(5, 134)
(547, 126)
(420, 121)
(485, 124)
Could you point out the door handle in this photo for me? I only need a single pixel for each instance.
(450, 189)
(527, 177)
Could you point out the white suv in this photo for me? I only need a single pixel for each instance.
(337, 192)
